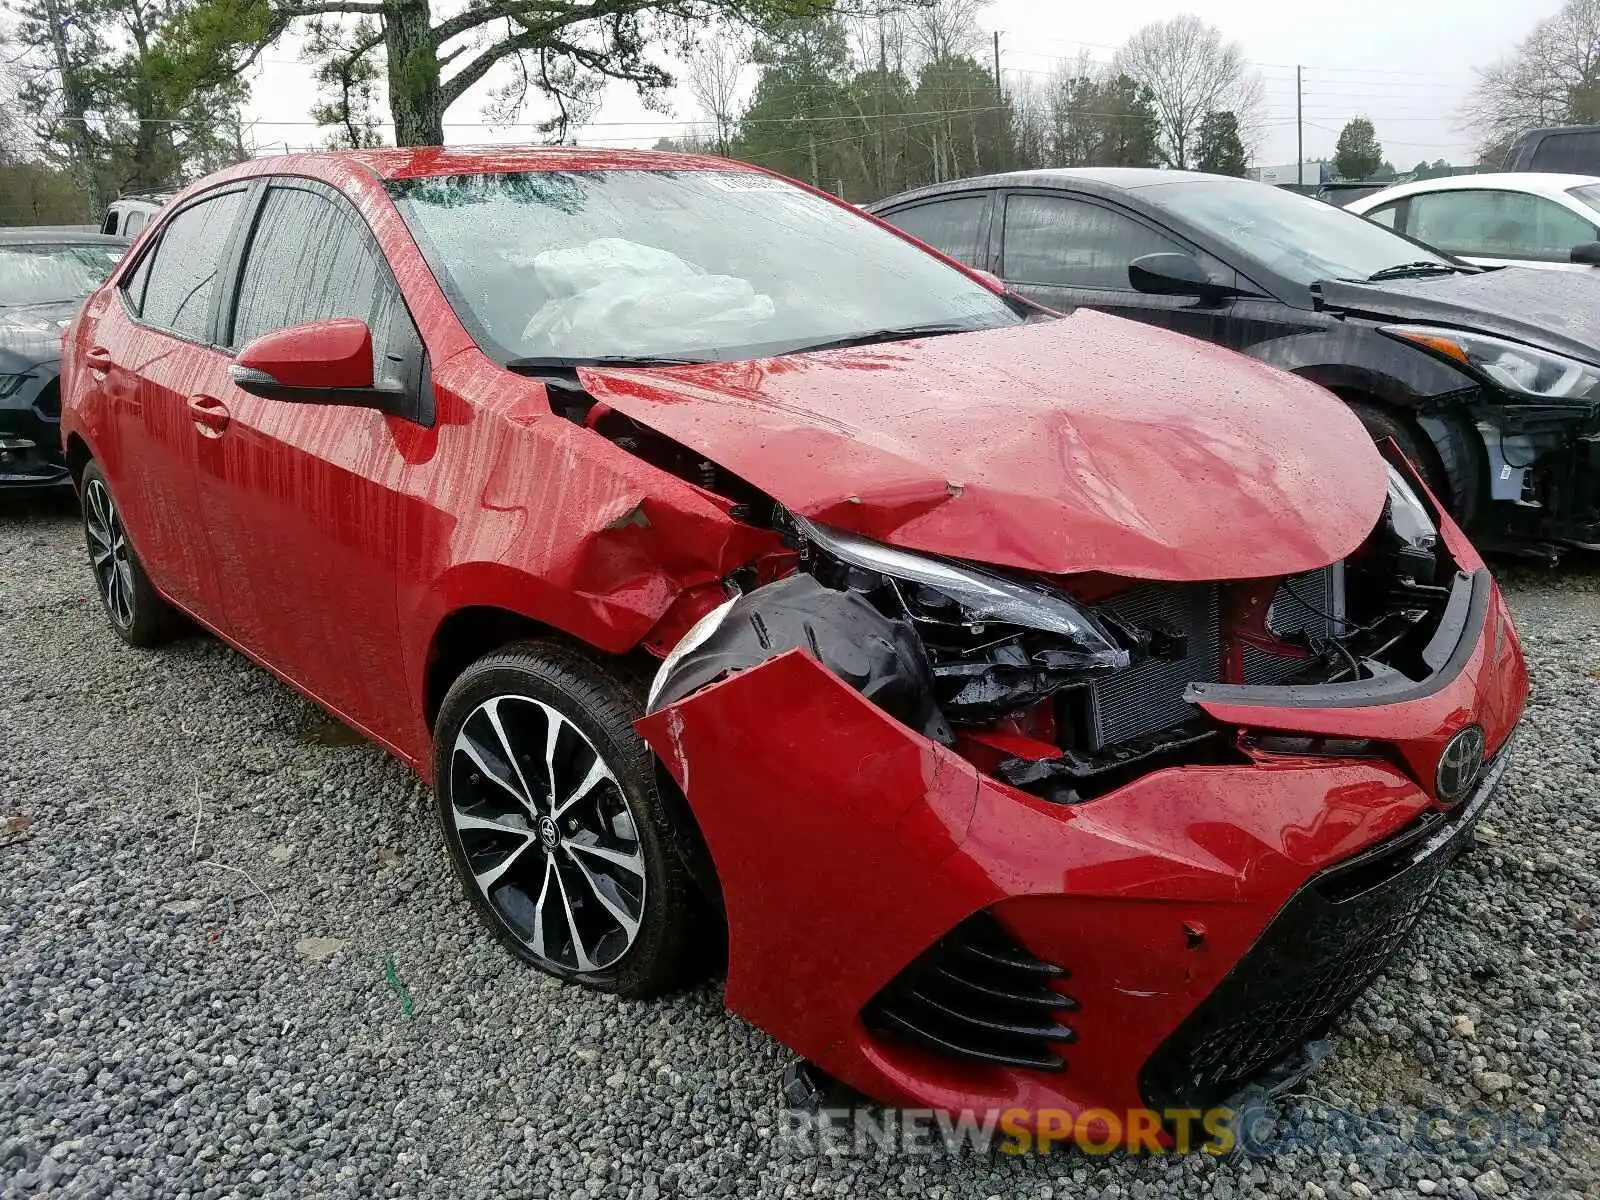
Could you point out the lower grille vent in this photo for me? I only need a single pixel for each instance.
(977, 995)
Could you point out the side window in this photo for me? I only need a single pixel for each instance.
(311, 259)
(182, 275)
(135, 222)
(1070, 243)
(133, 287)
(955, 226)
(1568, 153)
(110, 223)
(1497, 224)
(1384, 216)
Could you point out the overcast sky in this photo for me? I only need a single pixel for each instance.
(1406, 64)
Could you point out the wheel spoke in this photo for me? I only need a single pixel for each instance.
(479, 824)
(552, 734)
(597, 773)
(628, 922)
(98, 558)
(492, 711)
(465, 745)
(578, 952)
(633, 862)
(487, 879)
(538, 908)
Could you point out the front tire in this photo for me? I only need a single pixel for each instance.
(138, 614)
(555, 824)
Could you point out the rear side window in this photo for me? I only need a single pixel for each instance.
(110, 225)
(1053, 240)
(1497, 224)
(1568, 153)
(1384, 216)
(311, 259)
(955, 226)
(180, 281)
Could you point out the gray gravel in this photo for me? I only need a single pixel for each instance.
(199, 928)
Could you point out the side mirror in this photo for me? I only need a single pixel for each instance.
(1587, 253)
(322, 362)
(1174, 274)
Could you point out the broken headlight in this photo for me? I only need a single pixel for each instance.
(996, 645)
(1516, 367)
(1412, 530)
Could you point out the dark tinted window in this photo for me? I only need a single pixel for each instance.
(1054, 240)
(183, 276)
(311, 259)
(955, 226)
(1574, 153)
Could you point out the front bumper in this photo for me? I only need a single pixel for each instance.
(30, 436)
(848, 848)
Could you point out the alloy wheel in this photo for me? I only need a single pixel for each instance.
(547, 833)
(108, 553)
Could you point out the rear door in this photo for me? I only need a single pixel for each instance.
(300, 499)
(1068, 250)
(153, 349)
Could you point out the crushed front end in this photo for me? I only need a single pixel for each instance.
(989, 841)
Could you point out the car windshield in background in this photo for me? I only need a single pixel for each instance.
(675, 265)
(1302, 239)
(1588, 194)
(57, 273)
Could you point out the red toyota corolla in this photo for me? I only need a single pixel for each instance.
(1053, 712)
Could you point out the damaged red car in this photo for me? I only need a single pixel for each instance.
(1036, 711)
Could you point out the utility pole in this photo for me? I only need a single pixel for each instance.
(1299, 135)
(999, 92)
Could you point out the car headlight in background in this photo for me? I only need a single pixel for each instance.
(1525, 370)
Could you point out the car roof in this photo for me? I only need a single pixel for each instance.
(66, 235)
(422, 162)
(1102, 180)
(1536, 183)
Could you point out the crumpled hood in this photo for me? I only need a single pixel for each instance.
(1558, 310)
(1085, 444)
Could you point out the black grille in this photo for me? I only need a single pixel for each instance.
(1318, 954)
(1148, 697)
(977, 995)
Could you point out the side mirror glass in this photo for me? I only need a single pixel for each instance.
(321, 362)
(1174, 274)
(1587, 253)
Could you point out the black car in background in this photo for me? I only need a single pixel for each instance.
(1488, 379)
(1561, 149)
(45, 273)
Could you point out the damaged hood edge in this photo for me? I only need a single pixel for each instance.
(1151, 456)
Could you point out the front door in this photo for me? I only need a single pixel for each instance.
(1067, 251)
(301, 500)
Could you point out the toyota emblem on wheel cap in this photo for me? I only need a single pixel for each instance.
(1459, 765)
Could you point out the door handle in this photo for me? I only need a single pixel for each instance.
(98, 360)
(209, 414)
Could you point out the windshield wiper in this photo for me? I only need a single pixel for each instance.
(532, 366)
(1411, 269)
(903, 333)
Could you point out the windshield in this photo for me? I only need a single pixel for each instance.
(1300, 238)
(1589, 194)
(53, 274)
(674, 265)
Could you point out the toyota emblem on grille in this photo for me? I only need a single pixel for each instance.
(1459, 765)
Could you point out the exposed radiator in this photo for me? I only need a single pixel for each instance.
(1149, 697)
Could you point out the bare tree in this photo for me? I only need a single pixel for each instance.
(1552, 78)
(940, 30)
(1191, 71)
(713, 74)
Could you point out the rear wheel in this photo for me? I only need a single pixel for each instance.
(551, 811)
(138, 614)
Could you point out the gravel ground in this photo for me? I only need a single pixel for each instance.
(233, 963)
